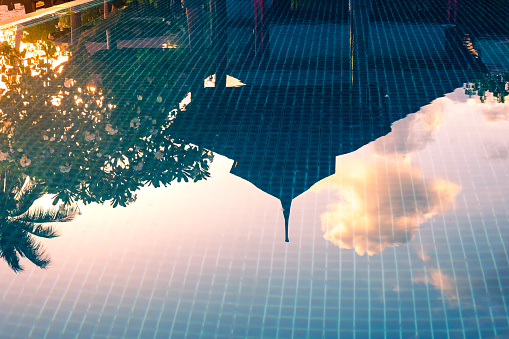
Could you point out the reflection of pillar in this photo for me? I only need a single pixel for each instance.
(108, 39)
(194, 24)
(364, 93)
(359, 37)
(220, 41)
(259, 26)
(212, 21)
(452, 11)
(106, 8)
(359, 78)
(29, 5)
(19, 34)
(75, 27)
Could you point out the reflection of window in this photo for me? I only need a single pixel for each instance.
(186, 101)
(210, 81)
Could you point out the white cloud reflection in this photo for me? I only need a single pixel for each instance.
(440, 281)
(494, 111)
(381, 203)
(414, 132)
(381, 194)
(491, 109)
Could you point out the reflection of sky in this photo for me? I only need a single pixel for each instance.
(381, 202)
(406, 240)
(177, 242)
(381, 194)
(436, 184)
(425, 205)
(210, 81)
(402, 180)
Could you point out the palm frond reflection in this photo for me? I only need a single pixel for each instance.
(70, 134)
(21, 223)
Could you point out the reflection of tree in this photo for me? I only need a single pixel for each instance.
(19, 224)
(498, 84)
(86, 142)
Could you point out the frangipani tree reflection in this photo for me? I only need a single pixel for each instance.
(86, 142)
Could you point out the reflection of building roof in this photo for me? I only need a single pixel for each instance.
(238, 124)
(306, 126)
(304, 104)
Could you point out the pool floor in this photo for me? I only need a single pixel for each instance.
(255, 169)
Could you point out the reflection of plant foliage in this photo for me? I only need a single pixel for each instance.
(83, 141)
(19, 223)
(39, 32)
(497, 84)
(300, 4)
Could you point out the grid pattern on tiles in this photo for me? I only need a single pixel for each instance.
(235, 277)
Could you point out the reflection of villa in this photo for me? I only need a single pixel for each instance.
(381, 124)
(340, 102)
(337, 104)
(330, 96)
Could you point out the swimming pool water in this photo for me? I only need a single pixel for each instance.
(175, 146)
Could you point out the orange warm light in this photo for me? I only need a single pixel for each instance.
(470, 47)
(91, 86)
(32, 50)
